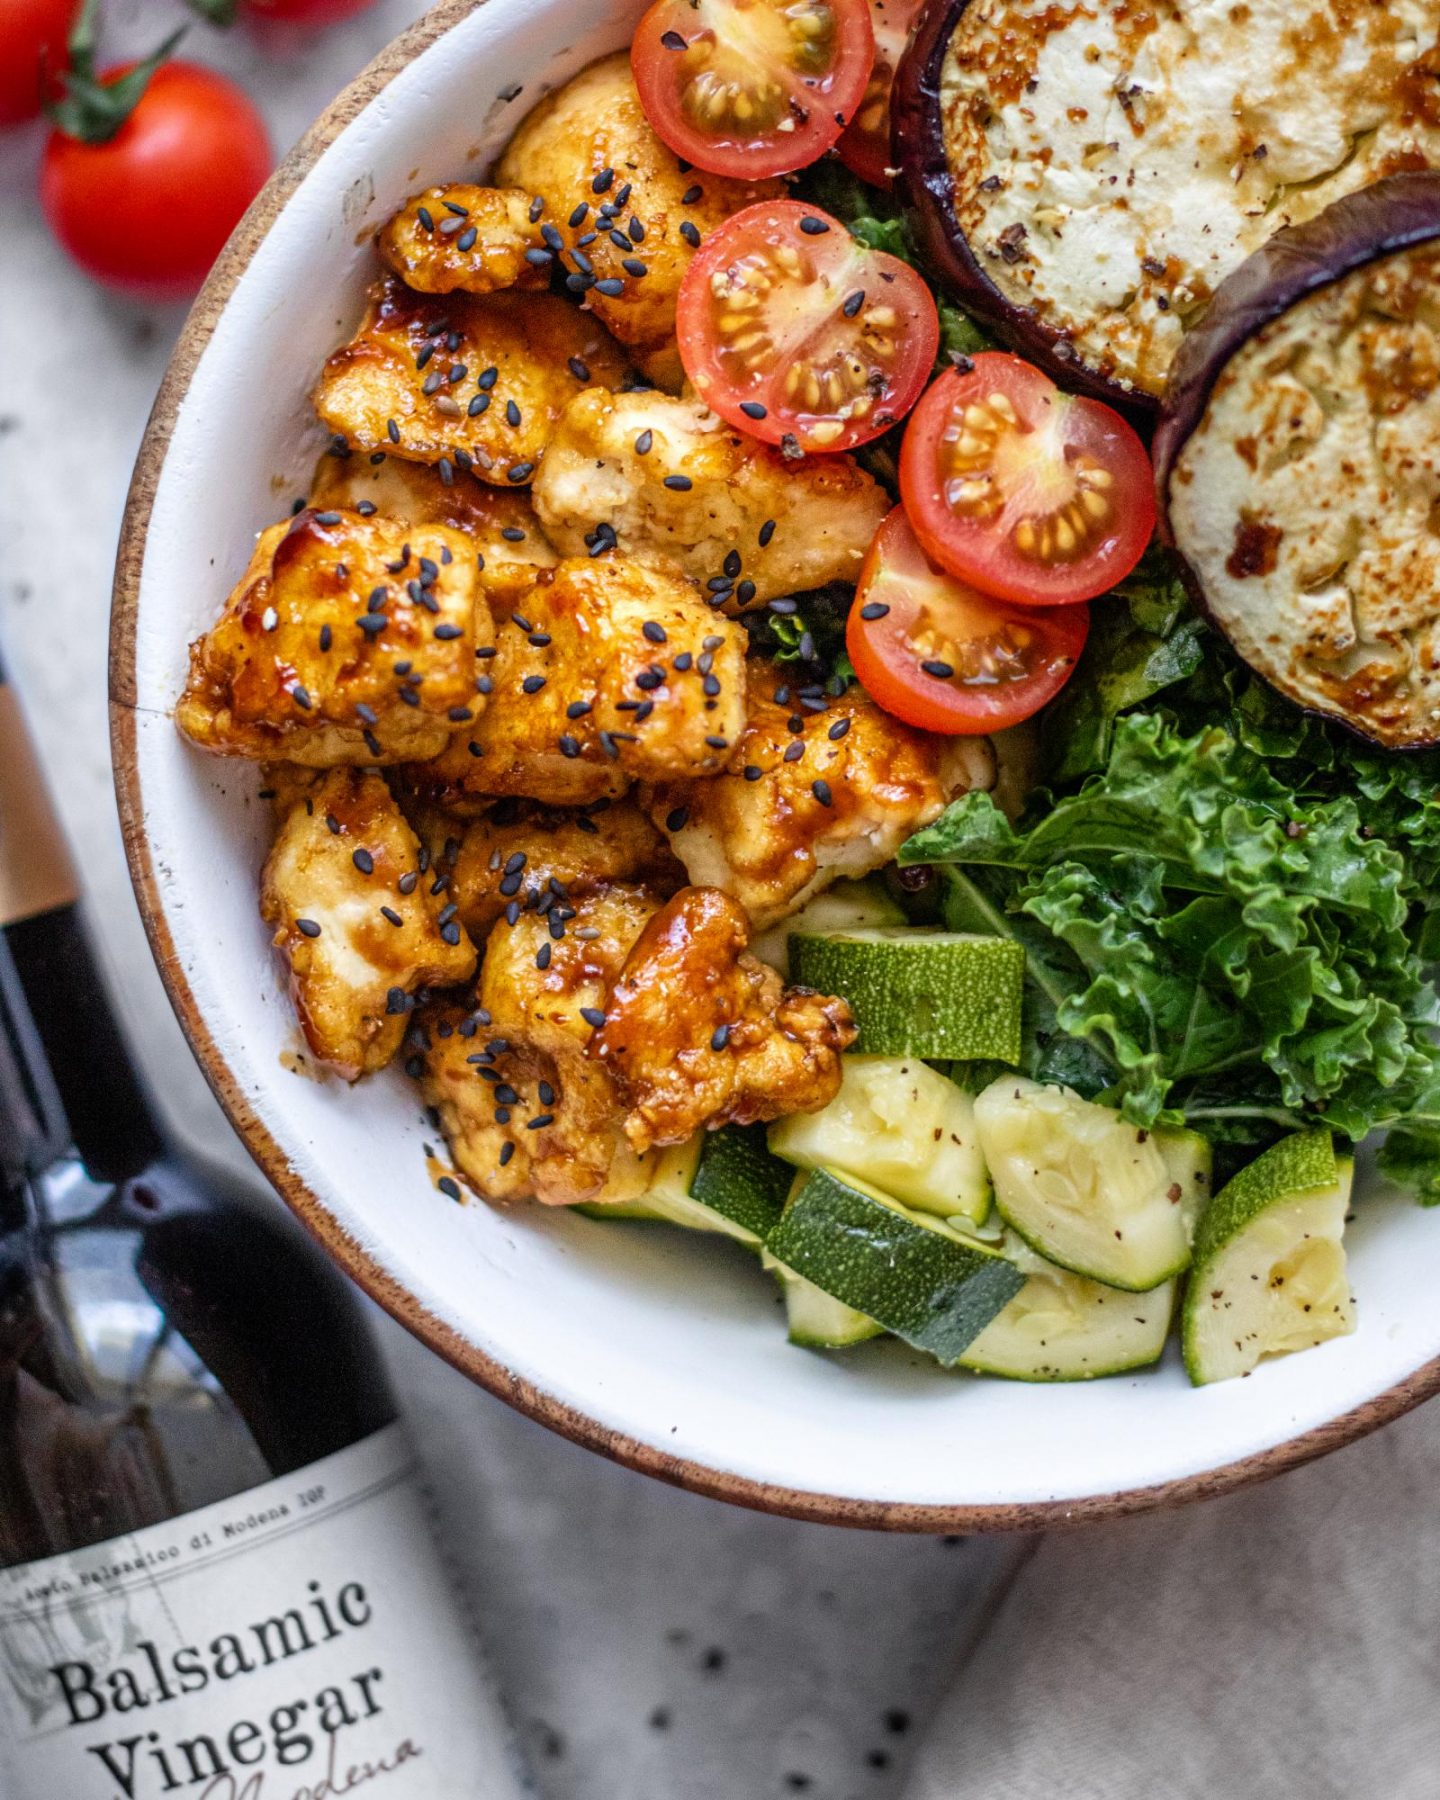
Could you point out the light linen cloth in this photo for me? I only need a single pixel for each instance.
(1281, 1643)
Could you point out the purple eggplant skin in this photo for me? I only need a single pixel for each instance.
(927, 193)
(1394, 214)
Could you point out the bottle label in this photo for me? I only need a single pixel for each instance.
(297, 1642)
(35, 869)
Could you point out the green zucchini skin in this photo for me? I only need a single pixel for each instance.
(917, 1280)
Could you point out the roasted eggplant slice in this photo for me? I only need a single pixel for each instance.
(1084, 173)
(1298, 461)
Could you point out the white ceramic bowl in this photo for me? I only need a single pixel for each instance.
(661, 1350)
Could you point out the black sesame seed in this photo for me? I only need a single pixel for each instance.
(821, 791)
(793, 752)
(592, 1015)
(449, 631)
(675, 820)
(838, 730)
(484, 685)
(364, 862)
(466, 239)
(602, 181)
(745, 593)
(423, 215)
(718, 743)
(751, 772)
(712, 685)
(538, 639)
(654, 633)
(577, 709)
(637, 231)
(619, 240)
(690, 233)
(366, 508)
(569, 746)
(445, 469)
(586, 239)
(577, 218)
(633, 266)
(813, 227)
(552, 237)
(389, 912)
(853, 303)
(479, 404)
(326, 636)
(540, 259)
(731, 565)
(683, 662)
(307, 928)
(301, 697)
(682, 484)
(520, 471)
(612, 287)
(644, 442)
(408, 882)
(450, 933)
(393, 430)
(537, 206)
(532, 684)
(541, 1120)
(512, 534)
(874, 609)
(577, 284)
(649, 679)
(941, 671)
(753, 409)
(767, 531)
(542, 957)
(487, 378)
(691, 195)
(672, 40)
(512, 413)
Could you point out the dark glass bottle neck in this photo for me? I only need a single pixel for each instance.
(65, 1074)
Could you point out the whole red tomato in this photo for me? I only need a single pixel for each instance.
(148, 210)
(32, 53)
(303, 12)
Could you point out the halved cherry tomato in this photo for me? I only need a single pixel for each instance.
(799, 334)
(943, 657)
(752, 87)
(1026, 492)
(865, 144)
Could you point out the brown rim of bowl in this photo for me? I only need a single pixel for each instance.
(828, 1509)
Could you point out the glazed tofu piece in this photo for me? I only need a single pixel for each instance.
(500, 522)
(348, 640)
(468, 382)
(517, 851)
(473, 238)
(527, 1080)
(699, 1033)
(608, 672)
(613, 191)
(359, 929)
(816, 788)
(671, 479)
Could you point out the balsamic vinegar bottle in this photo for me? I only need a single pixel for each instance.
(217, 1578)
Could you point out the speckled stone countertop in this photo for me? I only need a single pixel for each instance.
(654, 1646)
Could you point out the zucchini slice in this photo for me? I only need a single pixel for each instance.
(1269, 1275)
(816, 1319)
(1081, 1185)
(909, 1273)
(723, 1181)
(1061, 1327)
(903, 1127)
(847, 906)
(920, 992)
